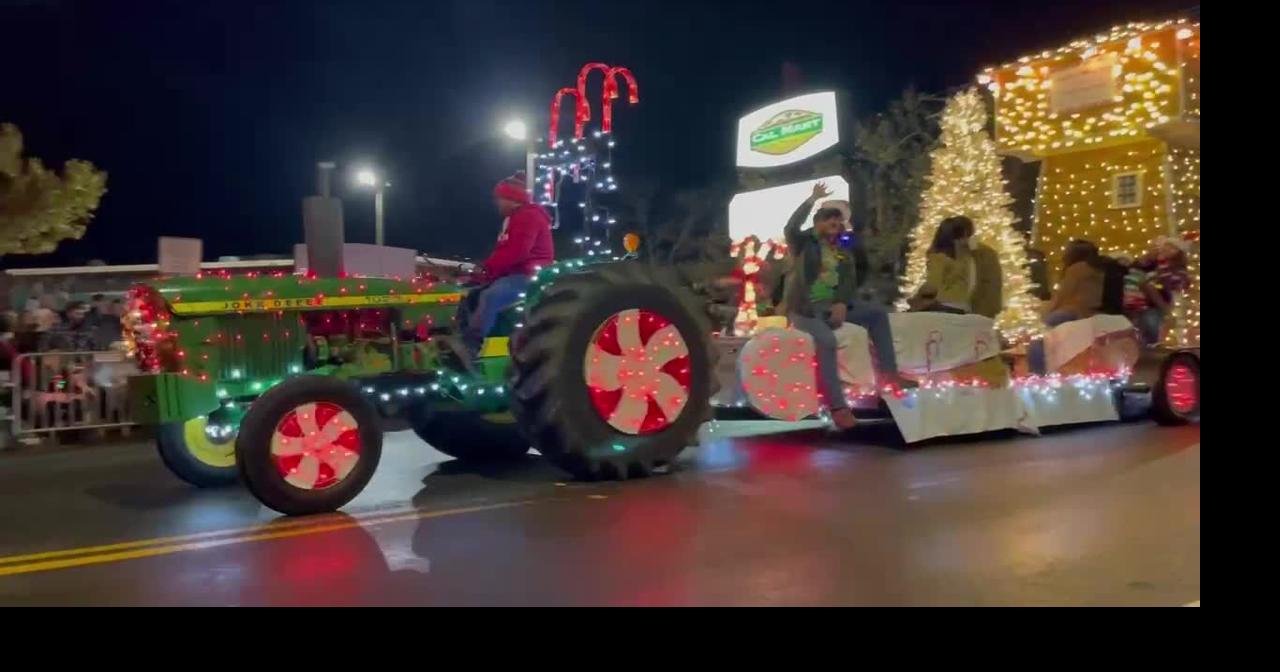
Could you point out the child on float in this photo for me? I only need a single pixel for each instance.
(1151, 285)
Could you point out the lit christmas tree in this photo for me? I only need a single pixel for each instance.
(965, 179)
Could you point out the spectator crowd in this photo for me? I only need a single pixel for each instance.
(54, 322)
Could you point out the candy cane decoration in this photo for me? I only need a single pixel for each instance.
(611, 93)
(582, 85)
(932, 349)
(754, 253)
(580, 113)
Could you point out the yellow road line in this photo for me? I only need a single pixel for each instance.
(96, 555)
(266, 527)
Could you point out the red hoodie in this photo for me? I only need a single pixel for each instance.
(523, 244)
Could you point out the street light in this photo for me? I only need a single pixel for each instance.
(516, 129)
(366, 177)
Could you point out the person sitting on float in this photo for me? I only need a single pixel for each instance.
(1151, 284)
(818, 294)
(950, 270)
(1077, 297)
(987, 298)
(818, 288)
(1079, 293)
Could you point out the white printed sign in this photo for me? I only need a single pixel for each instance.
(1087, 85)
(764, 212)
(360, 259)
(180, 256)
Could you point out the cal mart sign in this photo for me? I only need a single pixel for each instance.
(788, 131)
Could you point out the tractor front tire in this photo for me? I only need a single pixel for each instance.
(196, 457)
(613, 371)
(309, 445)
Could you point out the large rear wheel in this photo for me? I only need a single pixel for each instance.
(470, 437)
(613, 371)
(309, 445)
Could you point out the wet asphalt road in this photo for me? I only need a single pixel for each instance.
(1106, 515)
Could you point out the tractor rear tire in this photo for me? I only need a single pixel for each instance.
(583, 428)
(470, 437)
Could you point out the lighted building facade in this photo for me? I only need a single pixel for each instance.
(1114, 122)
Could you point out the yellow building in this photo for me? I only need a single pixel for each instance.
(1114, 122)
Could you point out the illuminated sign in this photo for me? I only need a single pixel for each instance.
(764, 212)
(788, 131)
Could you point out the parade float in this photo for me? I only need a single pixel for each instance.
(971, 370)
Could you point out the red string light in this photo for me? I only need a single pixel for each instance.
(611, 93)
(579, 120)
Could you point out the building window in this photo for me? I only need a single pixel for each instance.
(1126, 190)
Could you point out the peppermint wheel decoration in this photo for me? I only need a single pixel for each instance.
(637, 372)
(316, 445)
(778, 373)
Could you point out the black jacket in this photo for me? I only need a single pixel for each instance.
(806, 264)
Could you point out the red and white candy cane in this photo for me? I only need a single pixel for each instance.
(611, 93)
(580, 114)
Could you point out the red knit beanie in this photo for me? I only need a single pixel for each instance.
(512, 189)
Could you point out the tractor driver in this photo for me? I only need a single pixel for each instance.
(524, 245)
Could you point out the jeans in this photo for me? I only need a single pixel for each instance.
(875, 320)
(1035, 352)
(824, 348)
(478, 320)
(1148, 322)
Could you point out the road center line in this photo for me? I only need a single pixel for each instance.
(145, 548)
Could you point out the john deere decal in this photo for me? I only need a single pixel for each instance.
(786, 131)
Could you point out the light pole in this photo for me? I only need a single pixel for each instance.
(517, 130)
(366, 177)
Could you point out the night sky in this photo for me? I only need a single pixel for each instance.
(210, 116)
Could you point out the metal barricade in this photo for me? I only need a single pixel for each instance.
(55, 392)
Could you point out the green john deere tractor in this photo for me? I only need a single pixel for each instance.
(283, 382)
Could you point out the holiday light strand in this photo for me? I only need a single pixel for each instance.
(1156, 81)
(965, 179)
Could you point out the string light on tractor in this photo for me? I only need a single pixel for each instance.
(587, 160)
